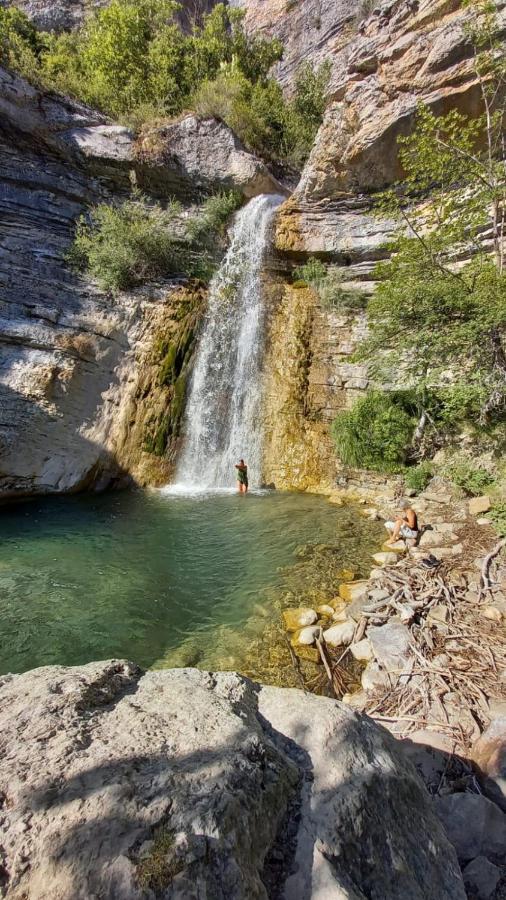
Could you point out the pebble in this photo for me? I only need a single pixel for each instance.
(378, 594)
(492, 613)
(341, 634)
(307, 636)
(362, 650)
(374, 678)
(325, 610)
(479, 505)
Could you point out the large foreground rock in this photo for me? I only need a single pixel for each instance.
(187, 784)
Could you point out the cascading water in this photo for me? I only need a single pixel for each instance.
(222, 420)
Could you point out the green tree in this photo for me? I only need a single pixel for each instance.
(21, 44)
(375, 434)
(438, 317)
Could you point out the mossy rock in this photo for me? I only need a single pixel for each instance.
(294, 619)
(353, 590)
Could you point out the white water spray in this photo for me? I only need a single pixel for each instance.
(222, 419)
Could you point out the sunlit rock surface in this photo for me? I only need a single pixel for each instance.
(186, 784)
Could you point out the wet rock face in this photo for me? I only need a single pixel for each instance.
(185, 783)
(80, 391)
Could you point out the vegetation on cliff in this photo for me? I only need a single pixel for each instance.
(133, 61)
(135, 241)
(437, 321)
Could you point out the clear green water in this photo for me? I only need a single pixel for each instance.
(157, 579)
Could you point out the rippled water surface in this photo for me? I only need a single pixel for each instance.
(144, 576)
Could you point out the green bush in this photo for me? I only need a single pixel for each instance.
(214, 216)
(122, 246)
(498, 516)
(313, 272)
(21, 44)
(418, 477)
(471, 479)
(328, 282)
(134, 242)
(259, 114)
(374, 434)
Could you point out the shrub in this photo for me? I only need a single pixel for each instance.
(471, 479)
(125, 245)
(498, 516)
(418, 477)
(21, 44)
(135, 242)
(313, 272)
(336, 294)
(330, 286)
(374, 434)
(214, 216)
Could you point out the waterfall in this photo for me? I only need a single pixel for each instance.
(222, 419)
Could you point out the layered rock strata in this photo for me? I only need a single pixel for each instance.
(183, 784)
(89, 394)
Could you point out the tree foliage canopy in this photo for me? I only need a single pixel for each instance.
(439, 314)
(133, 60)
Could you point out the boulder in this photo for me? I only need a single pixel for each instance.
(362, 650)
(353, 590)
(479, 505)
(293, 619)
(385, 558)
(481, 878)
(489, 755)
(187, 784)
(474, 825)
(340, 634)
(195, 154)
(434, 538)
(391, 645)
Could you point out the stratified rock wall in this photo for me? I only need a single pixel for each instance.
(86, 395)
(404, 53)
(186, 784)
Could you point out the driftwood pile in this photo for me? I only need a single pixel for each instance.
(456, 658)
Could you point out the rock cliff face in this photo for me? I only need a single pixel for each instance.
(82, 403)
(403, 53)
(185, 784)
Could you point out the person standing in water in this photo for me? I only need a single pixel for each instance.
(242, 476)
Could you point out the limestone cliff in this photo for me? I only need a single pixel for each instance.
(87, 395)
(403, 53)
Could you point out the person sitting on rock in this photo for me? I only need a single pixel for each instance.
(405, 524)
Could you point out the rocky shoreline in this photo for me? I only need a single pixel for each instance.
(431, 646)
